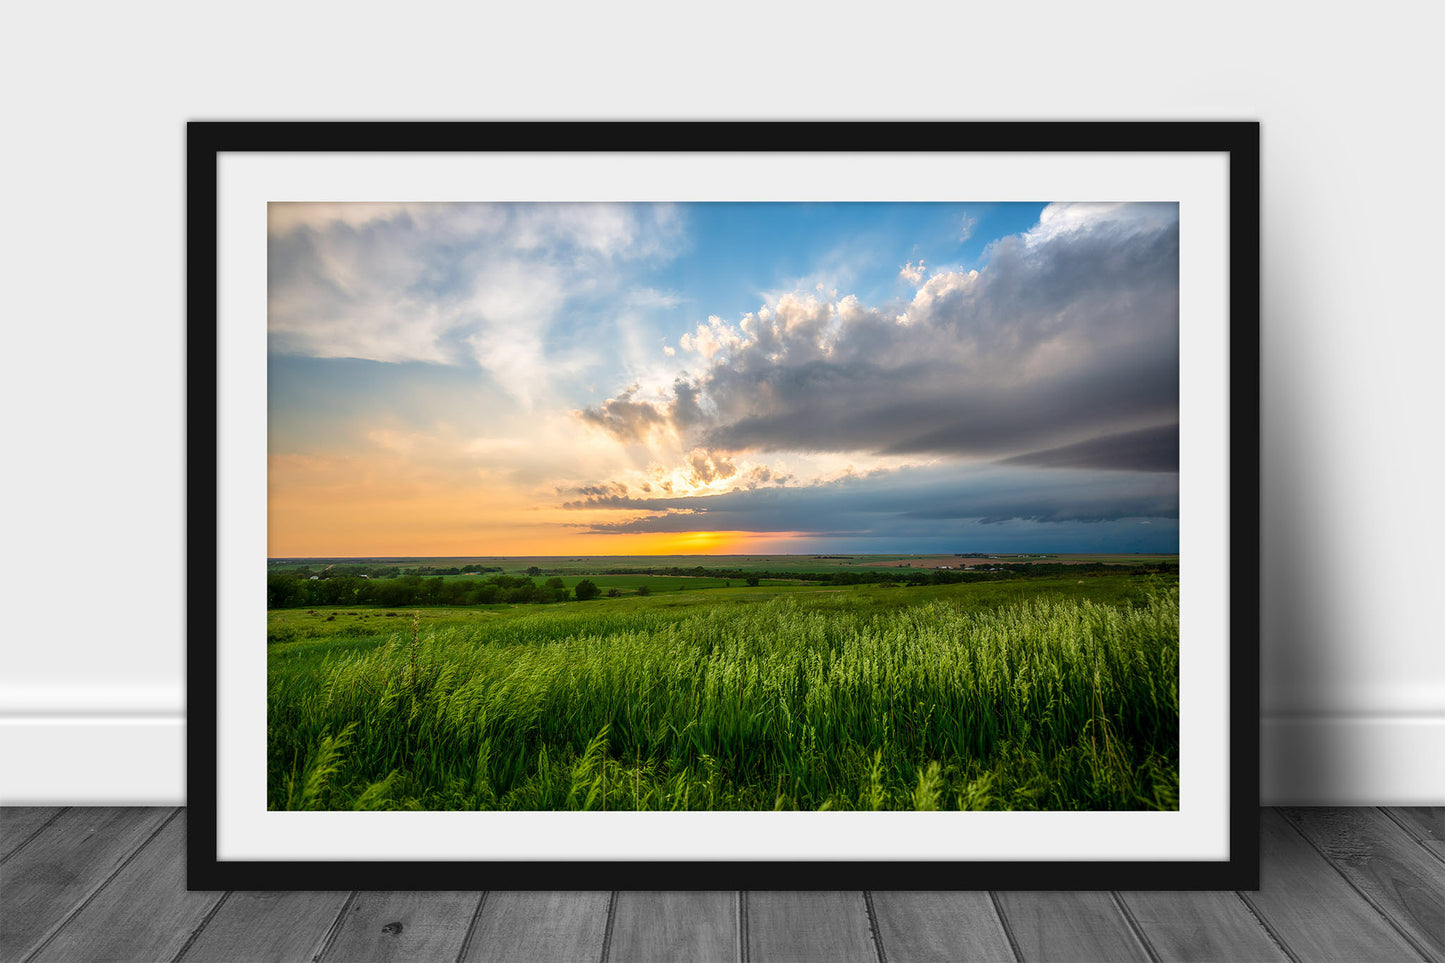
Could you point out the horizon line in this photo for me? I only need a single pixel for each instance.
(272, 558)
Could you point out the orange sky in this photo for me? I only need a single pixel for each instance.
(348, 506)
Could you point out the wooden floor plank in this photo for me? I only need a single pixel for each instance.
(689, 927)
(262, 927)
(62, 866)
(924, 927)
(1369, 849)
(1069, 926)
(19, 823)
(1309, 906)
(809, 927)
(143, 913)
(413, 927)
(1425, 823)
(540, 927)
(107, 883)
(1202, 926)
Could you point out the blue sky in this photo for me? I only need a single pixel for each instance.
(627, 379)
(736, 253)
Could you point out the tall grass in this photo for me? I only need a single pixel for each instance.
(1052, 703)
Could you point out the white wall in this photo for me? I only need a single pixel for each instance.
(91, 695)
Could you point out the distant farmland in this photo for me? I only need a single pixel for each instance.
(596, 564)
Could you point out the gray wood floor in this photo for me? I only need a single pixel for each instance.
(86, 884)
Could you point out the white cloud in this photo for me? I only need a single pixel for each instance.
(937, 289)
(651, 298)
(454, 283)
(1121, 219)
(286, 217)
(711, 338)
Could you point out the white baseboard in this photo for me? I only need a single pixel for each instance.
(1357, 760)
(138, 760)
(128, 698)
(123, 760)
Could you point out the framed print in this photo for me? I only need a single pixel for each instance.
(725, 505)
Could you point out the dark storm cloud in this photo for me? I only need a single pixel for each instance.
(1149, 449)
(917, 500)
(925, 409)
(1068, 333)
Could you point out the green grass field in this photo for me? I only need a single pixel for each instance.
(1022, 694)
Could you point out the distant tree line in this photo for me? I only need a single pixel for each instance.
(911, 576)
(289, 590)
(299, 588)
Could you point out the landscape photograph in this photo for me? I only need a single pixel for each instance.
(723, 506)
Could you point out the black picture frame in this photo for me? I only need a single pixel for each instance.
(207, 141)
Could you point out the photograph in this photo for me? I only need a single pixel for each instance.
(722, 506)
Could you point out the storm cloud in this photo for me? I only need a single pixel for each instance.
(1067, 336)
(925, 499)
(1148, 449)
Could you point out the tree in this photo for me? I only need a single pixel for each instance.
(282, 591)
(534, 571)
(586, 589)
(753, 581)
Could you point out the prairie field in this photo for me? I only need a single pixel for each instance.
(1054, 693)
